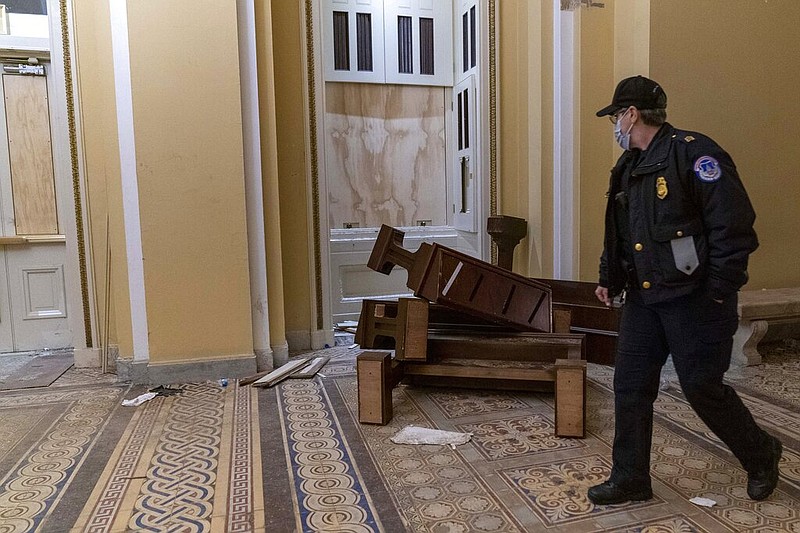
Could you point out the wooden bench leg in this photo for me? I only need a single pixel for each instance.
(570, 398)
(377, 376)
(745, 342)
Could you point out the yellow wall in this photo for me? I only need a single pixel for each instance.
(289, 43)
(525, 138)
(729, 70)
(187, 121)
(597, 155)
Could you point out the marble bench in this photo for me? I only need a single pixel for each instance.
(758, 310)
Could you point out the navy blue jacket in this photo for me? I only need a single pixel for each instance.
(684, 185)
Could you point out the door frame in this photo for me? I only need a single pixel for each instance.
(319, 247)
(70, 182)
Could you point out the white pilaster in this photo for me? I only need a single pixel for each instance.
(565, 137)
(254, 199)
(130, 186)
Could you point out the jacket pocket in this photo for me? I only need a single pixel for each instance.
(682, 249)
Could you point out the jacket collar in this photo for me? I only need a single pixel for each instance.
(656, 154)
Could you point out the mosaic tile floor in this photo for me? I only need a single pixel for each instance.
(294, 458)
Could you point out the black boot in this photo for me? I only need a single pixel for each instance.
(610, 493)
(760, 484)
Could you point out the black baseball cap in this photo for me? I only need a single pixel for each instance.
(637, 91)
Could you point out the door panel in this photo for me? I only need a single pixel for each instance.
(33, 301)
(35, 277)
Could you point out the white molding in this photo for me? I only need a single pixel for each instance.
(565, 135)
(254, 194)
(130, 187)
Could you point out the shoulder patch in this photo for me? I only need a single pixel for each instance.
(688, 138)
(707, 169)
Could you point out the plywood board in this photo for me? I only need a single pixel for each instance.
(30, 154)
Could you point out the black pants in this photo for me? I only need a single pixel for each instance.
(698, 332)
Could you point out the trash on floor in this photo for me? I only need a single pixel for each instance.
(418, 435)
(705, 502)
(161, 390)
(139, 400)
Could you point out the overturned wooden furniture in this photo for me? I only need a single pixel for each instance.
(445, 276)
(575, 307)
(379, 373)
(577, 310)
(486, 327)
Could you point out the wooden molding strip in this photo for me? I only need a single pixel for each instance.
(31, 239)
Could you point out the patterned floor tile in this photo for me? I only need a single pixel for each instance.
(186, 464)
(194, 462)
(673, 524)
(33, 486)
(516, 437)
(434, 488)
(458, 403)
(556, 491)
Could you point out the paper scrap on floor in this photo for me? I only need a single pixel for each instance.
(705, 502)
(418, 435)
(139, 400)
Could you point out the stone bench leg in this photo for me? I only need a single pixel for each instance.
(745, 342)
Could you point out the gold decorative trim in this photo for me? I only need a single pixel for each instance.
(493, 116)
(312, 123)
(76, 178)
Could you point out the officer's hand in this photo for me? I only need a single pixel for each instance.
(602, 295)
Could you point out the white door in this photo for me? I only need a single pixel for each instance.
(33, 301)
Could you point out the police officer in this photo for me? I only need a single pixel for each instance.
(679, 230)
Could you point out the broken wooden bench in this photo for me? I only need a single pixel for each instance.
(542, 362)
(450, 348)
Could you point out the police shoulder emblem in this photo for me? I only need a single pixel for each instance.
(661, 188)
(707, 169)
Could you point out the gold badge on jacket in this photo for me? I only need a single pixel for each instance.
(661, 188)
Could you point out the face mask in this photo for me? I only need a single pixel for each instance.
(623, 139)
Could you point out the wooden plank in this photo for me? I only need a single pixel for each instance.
(460, 371)
(30, 154)
(280, 373)
(311, 369)
(531, 347)
(412, 329)
(570, 398)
